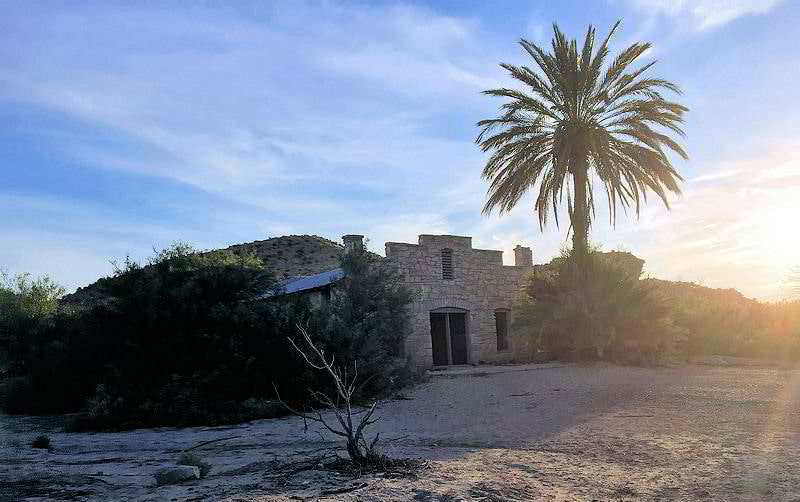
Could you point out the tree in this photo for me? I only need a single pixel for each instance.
(577, 122)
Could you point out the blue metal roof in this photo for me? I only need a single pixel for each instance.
(305, 283)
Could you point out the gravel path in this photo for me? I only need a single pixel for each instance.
(538, 432)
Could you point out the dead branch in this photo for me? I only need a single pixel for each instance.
(345, 489)
(351, 423)
(209, 442)
(282, 472)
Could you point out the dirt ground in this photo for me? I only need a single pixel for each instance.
(536, 432)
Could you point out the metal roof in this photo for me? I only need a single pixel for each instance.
(305, 283)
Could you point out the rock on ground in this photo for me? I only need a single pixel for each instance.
(177, 474)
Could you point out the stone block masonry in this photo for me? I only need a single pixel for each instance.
(467, 299)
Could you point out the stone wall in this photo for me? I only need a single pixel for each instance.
(481, 285)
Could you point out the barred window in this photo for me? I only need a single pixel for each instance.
(447, 263)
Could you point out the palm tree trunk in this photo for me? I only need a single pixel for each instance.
(580, 212)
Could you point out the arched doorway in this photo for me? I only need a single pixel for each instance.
(449, 336)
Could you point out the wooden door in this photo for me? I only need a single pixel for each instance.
(458, 337)
(439, 339)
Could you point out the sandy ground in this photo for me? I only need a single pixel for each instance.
(504, 433)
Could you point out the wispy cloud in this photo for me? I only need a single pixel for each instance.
(705, 14)
(244, 107)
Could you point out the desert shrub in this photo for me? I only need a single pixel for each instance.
(365, 324)
(615, 315)
(182, 336)
(41, 442)
(187, 339)
(22, 294)
(599, 311)
(725, 322)
(192, 459)
(26, 306)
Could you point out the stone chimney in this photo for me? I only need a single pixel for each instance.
(353, 242)
(523, 257)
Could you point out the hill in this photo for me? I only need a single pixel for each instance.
(286, 256)
(293, 255)
(691, 291)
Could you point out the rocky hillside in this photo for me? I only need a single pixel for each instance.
(293, 255)
(691, 292)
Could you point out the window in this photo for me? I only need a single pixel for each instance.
(447, 263)
(501, 327)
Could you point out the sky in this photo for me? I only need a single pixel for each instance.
(126, 126)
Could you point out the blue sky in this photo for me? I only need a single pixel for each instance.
(125, 126)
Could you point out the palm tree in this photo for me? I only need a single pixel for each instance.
(578, 121)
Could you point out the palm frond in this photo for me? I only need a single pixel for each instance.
(574, 113)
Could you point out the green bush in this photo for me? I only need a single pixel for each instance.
(725, 322)
(365, 324)
(612, 314)
(178, 336)
(186, 339)
(26, 306)
(601, 311)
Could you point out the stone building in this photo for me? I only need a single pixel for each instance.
(464, 297)
(462, 313)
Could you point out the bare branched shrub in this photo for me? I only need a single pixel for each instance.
(351, 424)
